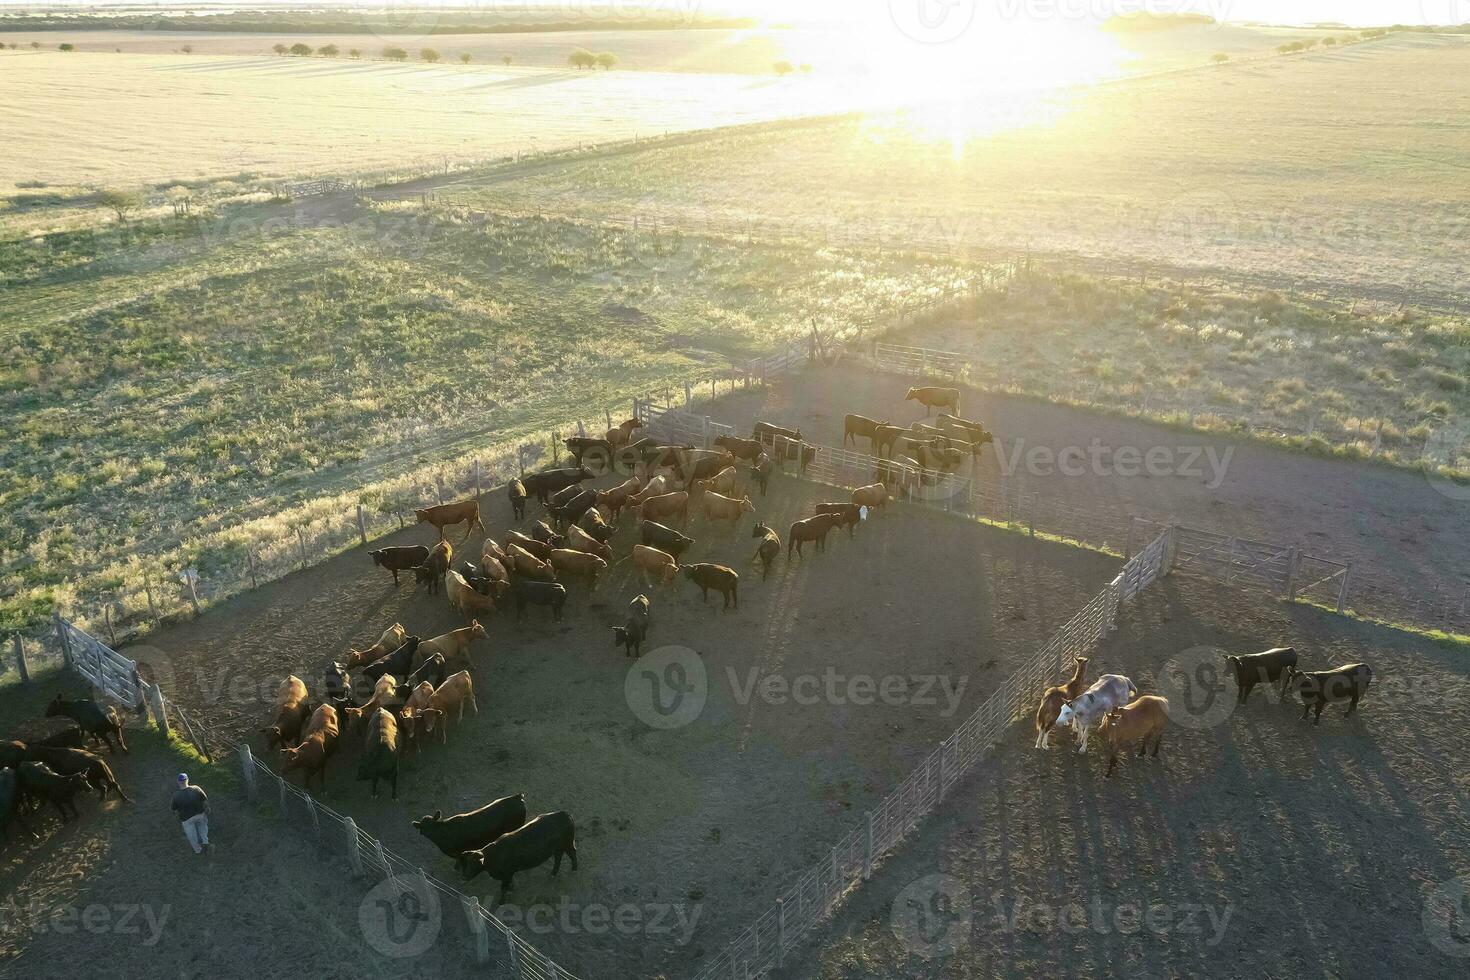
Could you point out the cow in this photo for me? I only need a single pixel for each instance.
(98, 721)
(67, 762)
(1317, 687)
(568, 561)
(787, 450)
(1084, 712)
(12, 754)
(622, 433)
(1258, 668)
(403, 558)
(474, 830)
(385, 693)
(70, 737)
(766, 432)
(316, 746)
(454, 646)
(1141, 721)
(600, 451)
(760, 471)
(542, 485)
(932, 398)
(616, 498)
(292, 710)
(580, 540)
(572, 511)
(431, 671)
(465, 512)
(746, 449)
(872, 496)
(436, 566)
(398, 663)
(652, 560)
(1052, 701)
(467, 600)
(596, 525)
(767, 550)
(860, 425)
(723, 580)
(722, 482)
(456, 691)
(970, 430)
(540, 550)
(655, 487)
(695, 464)
(549, 836)
(848, 515)
(536, 593)
(721, 508)
(630, 635)
(812, 529)
(10, 808)
(380, 752)
(516, 491)
(527, 565)
(41, 782)
(884, 436)
(391, 640)
(674, 505)
(664, 538)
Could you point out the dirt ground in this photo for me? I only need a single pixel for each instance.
(933, 606)
(1392, 522)
(1263, 846)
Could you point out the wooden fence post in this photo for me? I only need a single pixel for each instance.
(1342, 591)
(20, 659)
(362, 516)
(477, 926)
(1293, 564)
(301, 540)
(160, 711)
(439, 486)
(354, 852)
(247, 766)
(251, 562)
(62, 638)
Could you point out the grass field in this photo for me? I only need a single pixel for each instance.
(1338, 169)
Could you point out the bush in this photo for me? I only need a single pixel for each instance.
(120, 201)
(279, 48)
(395, 54)
(506, 58)
(465, 58)
(187, 49)
(429, 55)
(606, 60)
(1328, 42)
(1219, 57)
(354, 53)
(582, 58)
(62, 47)
(783, 68)
(328, 51)
(300, 50)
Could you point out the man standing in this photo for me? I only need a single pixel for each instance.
(192, 806)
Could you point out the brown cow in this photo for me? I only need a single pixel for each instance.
(393, 637)
(451, 695)
(1052, 701)
(811, 529)
(436, 566)
(871, 497)
(580, 540)
(444, 515)
(719, 508)
(723, 580)
(454, 645)
(540, 550)
(1141, 721)
(320, 742)
(530, 566)
(622, 433)
(616, 498)
(466, 600)
(569, 562)
(932, 398)
(292, 709)
(660, 563)
(767, 550)
(667, 505)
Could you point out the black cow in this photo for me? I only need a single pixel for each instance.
(848, 515)
(723, 580)
(96, 720)
(597, 453)
(746, 449)
(12, 754)
(67, 762)
(70, 737)
(476, 829)
(432, 670)
(630, 635)
(542, 485)
(380, 757)
(398, 663)
(337, 685)
(516, 491)
(10, 803)
(860, 425)
(1317, 687)
(551, 835)
(768, 549)
(665, 539)
(1260, 668)
(767, 432)
(404, 558)
(571, 511)
(884, 437)
(761, 471)
(40, 781)
(787, 450)
(812, 529)
(531, 592)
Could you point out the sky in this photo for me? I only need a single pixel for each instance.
(1357, 13)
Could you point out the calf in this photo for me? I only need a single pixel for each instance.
(860, 425)
(721, 508)
(549, 836)
(403, 558)
(41, 782)
(292, 710)
(1259, 668)
(725, 581)
(435, 567)
(68, 762)
(453, 694)
(431, 671)
(932, 398)
(534, 593)
(767, 550)
(630, 635)
(1052, 701)
(380, 752)
(746, 449)
(760, 471)
(1085, 712)
(653, 561)
(516, 491)
(569, 562)
(454, 646)
(398, 663)
(99, 721)
(812, 529)
(315, 748)
(391, 640)
(848, 515)
(464, 512)
(476, 829)
(1140, 722)
(1317, 687)
(872, 496)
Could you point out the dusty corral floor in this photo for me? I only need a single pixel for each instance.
(1321, 845)
(710, 817)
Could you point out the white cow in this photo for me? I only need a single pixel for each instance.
(1082, 713)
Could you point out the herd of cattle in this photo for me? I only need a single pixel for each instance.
(54, 769)
(1112, 705)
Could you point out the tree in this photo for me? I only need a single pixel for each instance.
(1328, 42)
(354, 53)
(429, 55)
(1219, 57)
(301, 50)
(180, 198)
(62, 47)
(35, 45)
(606, 60)
(783, 68)
(279, 48)
(582, 58)
(395, 54)
(328, 51)
(121, 202)
(506, 58)
(187, 49)
(465, 58)
(806, 69)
